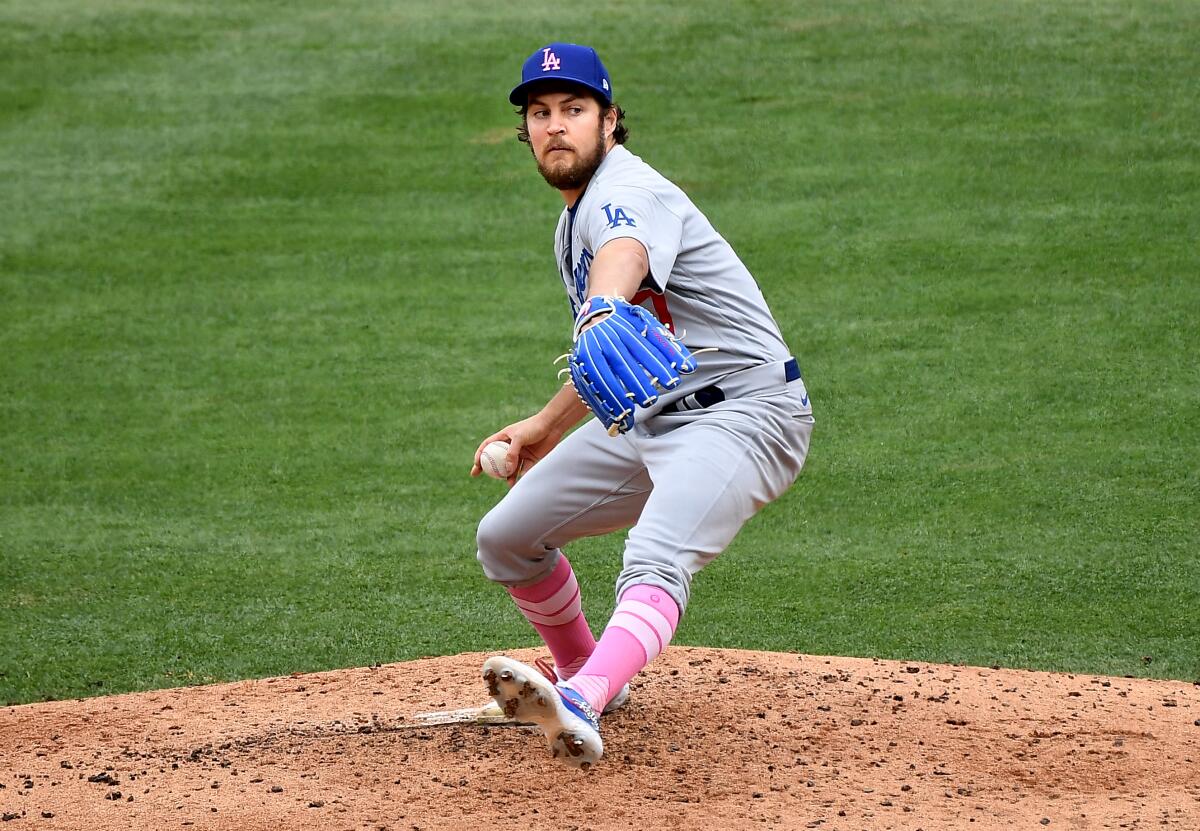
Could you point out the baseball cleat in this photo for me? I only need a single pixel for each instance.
(492, 710)
(571, 726)
(617, 701)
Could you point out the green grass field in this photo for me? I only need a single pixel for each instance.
(268, 272)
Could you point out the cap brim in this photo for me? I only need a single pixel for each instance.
(519, 97)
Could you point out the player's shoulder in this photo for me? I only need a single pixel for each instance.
(623, 169)
(625, 178)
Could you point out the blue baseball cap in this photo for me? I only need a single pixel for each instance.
(563, 62)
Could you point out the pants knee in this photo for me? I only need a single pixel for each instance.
(506, 553)
(675, 581)
(491, 542)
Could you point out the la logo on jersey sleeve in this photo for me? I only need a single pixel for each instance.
(616, 216)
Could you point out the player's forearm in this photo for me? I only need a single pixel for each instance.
(563, 411)
(619, 269)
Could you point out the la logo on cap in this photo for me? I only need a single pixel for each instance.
(549, 60)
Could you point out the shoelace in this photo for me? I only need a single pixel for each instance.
(547, 669)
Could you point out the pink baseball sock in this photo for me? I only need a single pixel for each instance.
(554, 608)
(641, 627)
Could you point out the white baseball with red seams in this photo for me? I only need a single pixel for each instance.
(494, 460)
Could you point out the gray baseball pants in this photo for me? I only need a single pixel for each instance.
(684, 483)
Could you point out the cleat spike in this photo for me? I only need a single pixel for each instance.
(569, 724)
(493, 686)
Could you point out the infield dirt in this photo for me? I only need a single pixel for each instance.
(711, 739)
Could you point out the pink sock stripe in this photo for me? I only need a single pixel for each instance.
(565, 614)
(651, 616)
(656, 597)
(555, 602)
(591, 687)
(640, 630)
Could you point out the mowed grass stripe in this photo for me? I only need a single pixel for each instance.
(267, 277)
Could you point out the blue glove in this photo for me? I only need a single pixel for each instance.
(622, 360)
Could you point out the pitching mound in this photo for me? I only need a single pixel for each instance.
(711, 739)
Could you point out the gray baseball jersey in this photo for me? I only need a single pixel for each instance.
(697, 285)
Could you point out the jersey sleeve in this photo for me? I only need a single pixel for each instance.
(635, 213)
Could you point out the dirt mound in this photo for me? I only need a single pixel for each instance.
(711, 739)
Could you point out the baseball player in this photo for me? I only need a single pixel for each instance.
(701, 416)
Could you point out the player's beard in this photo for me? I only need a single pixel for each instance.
(580, 173)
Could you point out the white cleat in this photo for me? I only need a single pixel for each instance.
(492, 710)
(617, 701)
(571, 726)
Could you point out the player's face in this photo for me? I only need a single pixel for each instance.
(567, 137)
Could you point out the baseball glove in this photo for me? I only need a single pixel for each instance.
(623, 359)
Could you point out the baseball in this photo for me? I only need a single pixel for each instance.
(494, 460)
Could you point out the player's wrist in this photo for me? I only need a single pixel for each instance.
(562, 413)
(596, 308)
(593, 321)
